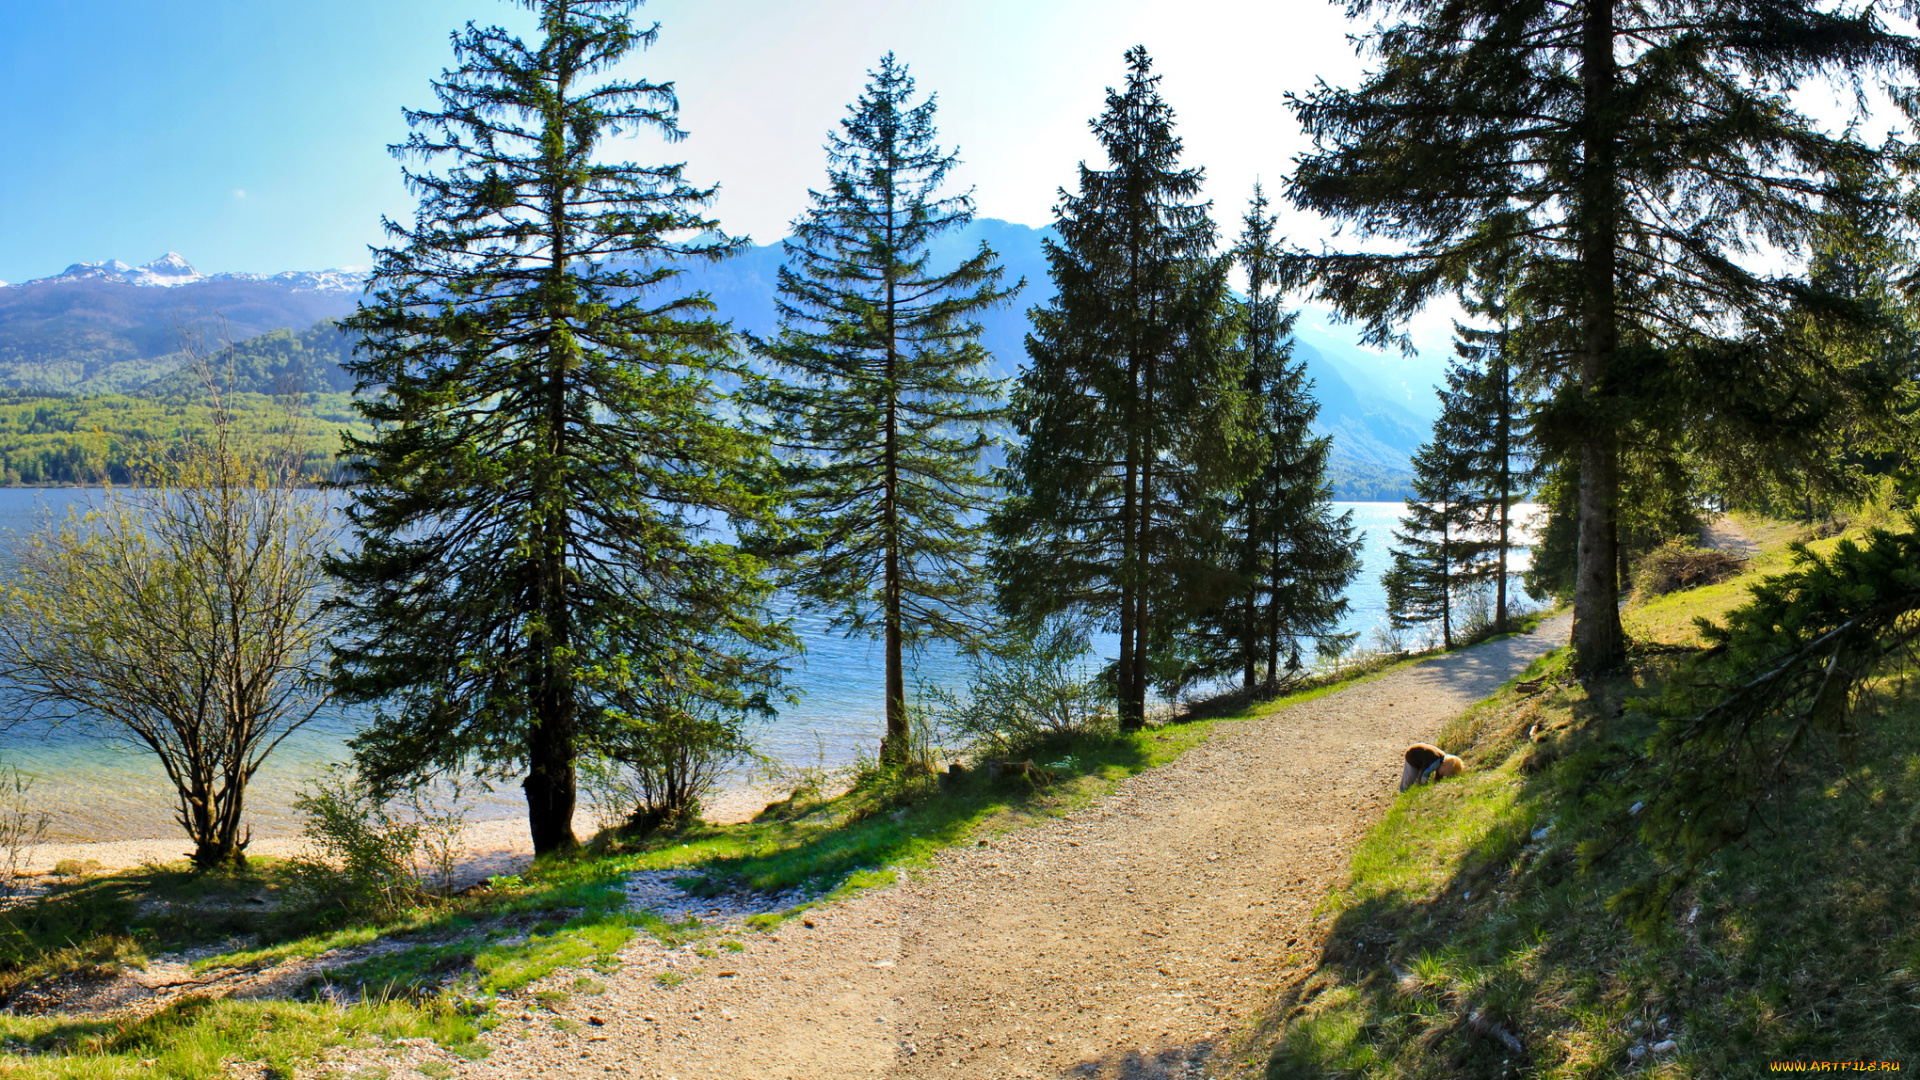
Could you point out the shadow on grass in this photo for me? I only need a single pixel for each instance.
(883, 824)
(1476, 938)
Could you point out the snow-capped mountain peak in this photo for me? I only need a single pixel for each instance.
(172, 270)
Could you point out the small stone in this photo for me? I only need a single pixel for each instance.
(726, 974)
(1665, 1046)
(1636, 808)
(808, 923)
(1637, 1052)
(1542, 832)
(596, 1021)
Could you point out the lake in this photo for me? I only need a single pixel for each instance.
(101, 789)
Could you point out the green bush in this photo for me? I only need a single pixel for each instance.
(1033, 691)
(380, 856)
(666, 756)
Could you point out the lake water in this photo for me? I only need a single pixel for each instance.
(103, 789)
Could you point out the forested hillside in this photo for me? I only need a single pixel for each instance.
(91, 337)
(47, 441)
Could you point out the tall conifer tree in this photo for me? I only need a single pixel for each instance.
(534, 556)
(1290, 556)
(1442, 541)
(880, 400)
(1483, 403)
(1630, 152)
(1129, 404)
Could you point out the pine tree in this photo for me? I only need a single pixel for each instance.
(1291, 558)
(1629, 153)
(1129, 407)
(534, 512)
(880, 403)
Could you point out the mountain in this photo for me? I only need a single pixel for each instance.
(108, 327)
(278, 361)
(1406, 381)
(171, 270)
(1375, 423)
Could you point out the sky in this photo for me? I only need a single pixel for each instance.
(250, 135)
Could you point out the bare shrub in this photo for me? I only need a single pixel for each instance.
(182, 615)
(22, 827)
(1679, 564)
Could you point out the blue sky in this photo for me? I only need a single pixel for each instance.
(250, 135)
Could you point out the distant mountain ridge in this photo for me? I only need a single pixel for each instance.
(171, 271)
(1375, 432)
(111, 328)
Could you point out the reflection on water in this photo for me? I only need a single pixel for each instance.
(105, 789)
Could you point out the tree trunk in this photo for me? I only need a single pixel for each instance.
(1598, 644)
(1505, 448)
(893, 747)
(1250, 641)
(214, 825)
(550, 784)
(1135, 716)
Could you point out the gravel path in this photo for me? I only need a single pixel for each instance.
(1129, 939)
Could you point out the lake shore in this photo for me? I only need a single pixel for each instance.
(493, 845)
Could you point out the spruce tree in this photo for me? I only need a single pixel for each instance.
(1435, 549)
(1484, 406)
(1630, 153)
(1129, 407)
(1290, 556)
(533, 514)
(880, 402)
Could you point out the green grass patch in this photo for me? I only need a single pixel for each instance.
(1476, 917)
(193, 1038)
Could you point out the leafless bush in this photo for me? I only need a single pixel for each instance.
(22, 826)
(183, 615)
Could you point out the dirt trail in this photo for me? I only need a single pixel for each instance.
(1128, 939)
(1726, 534)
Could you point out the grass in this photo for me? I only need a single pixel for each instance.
(1476, 912)
(442, 967)
(193, 1036)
